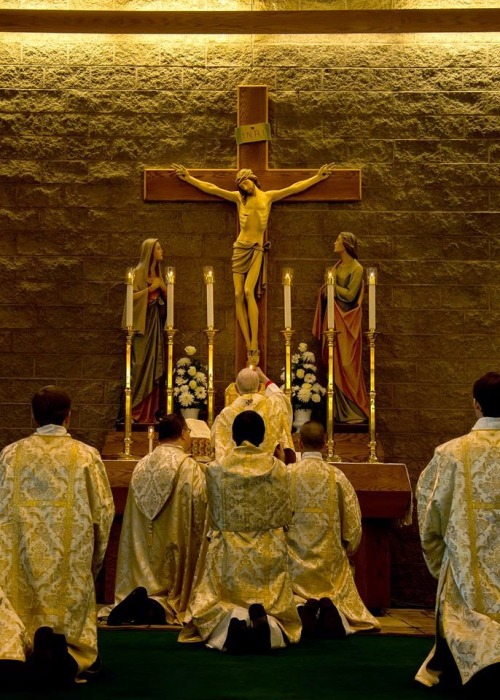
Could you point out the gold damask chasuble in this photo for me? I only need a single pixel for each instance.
(275, 410)
(162, 529)
(458, 511)
(56, 510)
(326, 527)
(246, 562)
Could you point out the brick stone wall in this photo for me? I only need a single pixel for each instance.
(80, 117)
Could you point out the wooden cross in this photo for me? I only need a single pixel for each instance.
(162, 185)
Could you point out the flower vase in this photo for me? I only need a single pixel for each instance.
(301, 416)
(190, 412)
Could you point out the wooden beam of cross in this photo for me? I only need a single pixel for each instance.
(163, 185)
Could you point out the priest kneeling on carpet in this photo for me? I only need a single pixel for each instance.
(244, 600)
(325, 530)
(56, 510)
(162, 532)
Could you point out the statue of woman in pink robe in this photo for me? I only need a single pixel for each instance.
(351, 398)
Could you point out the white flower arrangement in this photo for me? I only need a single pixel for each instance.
(307, 392)
(190, 381)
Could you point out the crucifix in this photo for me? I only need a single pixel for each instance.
(179, 184)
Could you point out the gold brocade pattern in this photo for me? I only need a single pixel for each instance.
(56, 510)
(246, 560)
(458, 510)
(162, 530)
(326, 527)
(276, 412)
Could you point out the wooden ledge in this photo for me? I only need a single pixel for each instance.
(250, 22)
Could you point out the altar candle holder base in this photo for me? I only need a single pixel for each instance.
(287, 334)
(372, 445)
(211, 332)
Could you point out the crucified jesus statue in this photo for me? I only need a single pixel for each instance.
(248, 261)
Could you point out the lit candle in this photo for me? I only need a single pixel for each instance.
(330, 298)
(372, 283)
(208, 273)
(129, 314)
(151, 432)
(287, 295)
(170, 277)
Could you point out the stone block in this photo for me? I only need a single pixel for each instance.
(13, 365)
(21, 77)
(204, 78)
(59, 366)
(91, 53)
(188, 52)
(28, 195)
(406, 395)
(61, 317)
(103, 367)
(485, 79)
(477, 321)
(114, 78)
(28, 147)
(67, 77)
(17, 317)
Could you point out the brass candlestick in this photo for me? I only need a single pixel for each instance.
(169, 390)
(211, 333)
(287, 335)
(127, 440)
(371, 335)
(332, 456)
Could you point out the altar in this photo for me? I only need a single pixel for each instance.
(383, 490)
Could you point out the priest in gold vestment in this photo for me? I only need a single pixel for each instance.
(325, 530)
(458, 498)
(163, 523)
(273, 406)
(56, 510)
(246, 563)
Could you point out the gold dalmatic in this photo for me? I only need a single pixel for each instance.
(325, 529)
(246, 561)
(56, 510)
(458, 511)
(162, 529)
(274, 408)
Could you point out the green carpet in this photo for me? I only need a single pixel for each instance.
(151, 664)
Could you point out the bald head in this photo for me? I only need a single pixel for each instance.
(247, 381)
(312, 436)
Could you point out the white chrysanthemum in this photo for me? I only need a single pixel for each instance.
(183, 361)
(192, 371)
(179, 381)
(181, 371)
(295, 358)
(190, 350)
(309, 366)
(201, 392)
(184, 388)
(282, 376)
(302, 347)
(317, 387)
(304, 393)
(316, 398)
(310, 378)
(193, 384)
(176, 391)
(186, 399)
(308, 356)
(300, 373)
(201, 377)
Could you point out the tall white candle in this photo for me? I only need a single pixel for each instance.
(287, 295)
(209, 280)
(372, 284)
(129, 313)
(151, 432)
(170, 276)
(330, 298)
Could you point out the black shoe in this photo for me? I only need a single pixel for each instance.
(130, 609)
(330, 623)
(238, 639)
(152, 613)
(50, 665)
(260, 630)
(308, 614)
